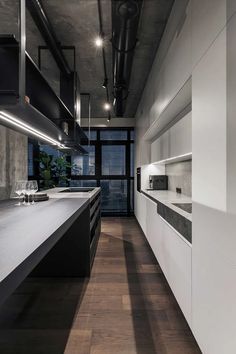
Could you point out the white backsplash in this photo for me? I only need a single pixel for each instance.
(180, 175)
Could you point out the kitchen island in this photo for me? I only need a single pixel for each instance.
(57, 237)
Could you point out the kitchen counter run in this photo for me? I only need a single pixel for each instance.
(27, 233)
(169, 197)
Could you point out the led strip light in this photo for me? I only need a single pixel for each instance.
(189, 154)
(18, 123)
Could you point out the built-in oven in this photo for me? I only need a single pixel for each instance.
(138, 179)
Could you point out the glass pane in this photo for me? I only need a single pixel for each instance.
(51, 151)
(113, 160)
(114, 195)
(93, 134)
(113, 135)
(132, 160)
(84, 165)
(30, 159)
(132, 135)
(83, 183)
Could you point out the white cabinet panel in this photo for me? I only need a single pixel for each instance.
(181, 136)
(165, 142)
(176, 265)
(167, 78)
(160, 148)
(156, 151)
(141, 209)
(174, 256)
(153, 228)
(209, 126)
(208, 19)
(174, 142)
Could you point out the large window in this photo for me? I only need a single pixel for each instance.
(84, 165)
(114, 195)
(113, 160)
(109, 164)
(113, 134)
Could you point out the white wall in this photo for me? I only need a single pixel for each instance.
(204, 48)
(148, 170)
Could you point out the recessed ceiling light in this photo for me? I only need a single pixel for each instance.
(98, 42)
(107, 106)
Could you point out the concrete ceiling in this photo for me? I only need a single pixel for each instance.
(76, 23)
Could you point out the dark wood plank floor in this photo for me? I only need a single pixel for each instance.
(125, 308)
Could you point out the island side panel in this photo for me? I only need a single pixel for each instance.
(70, 257)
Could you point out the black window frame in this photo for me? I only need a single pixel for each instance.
(98, 165)
(98, 176)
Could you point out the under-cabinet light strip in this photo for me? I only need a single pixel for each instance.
(18, 123)
(189, 154)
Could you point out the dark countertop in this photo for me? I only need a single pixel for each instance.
(27, 233)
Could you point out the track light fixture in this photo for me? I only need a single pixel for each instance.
(105, 82)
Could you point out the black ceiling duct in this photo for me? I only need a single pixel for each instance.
(125, 21)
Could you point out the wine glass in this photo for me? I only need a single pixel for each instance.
(28, 190)
(23, 190)
(34, 189)
(18, 189)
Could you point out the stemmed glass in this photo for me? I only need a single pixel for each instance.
(34, 189)
(19, 188)
(28, 190)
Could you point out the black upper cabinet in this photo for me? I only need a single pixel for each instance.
(41, 95)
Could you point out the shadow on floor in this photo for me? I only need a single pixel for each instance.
(158, 323)
(145, 342)
(38, 316)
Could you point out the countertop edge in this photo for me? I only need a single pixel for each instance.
(168, 204)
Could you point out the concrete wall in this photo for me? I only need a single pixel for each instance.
(13, 160)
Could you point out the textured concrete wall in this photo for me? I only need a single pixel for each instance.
(13, 160)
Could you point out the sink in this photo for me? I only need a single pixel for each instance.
(184, 206)
(77, 190)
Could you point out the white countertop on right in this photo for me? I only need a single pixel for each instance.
(169, 197)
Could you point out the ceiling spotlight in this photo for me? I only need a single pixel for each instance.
(109, 117)
(98, 42)
(105, 82)
(107, 106)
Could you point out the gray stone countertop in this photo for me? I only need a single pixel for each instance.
(169, 197)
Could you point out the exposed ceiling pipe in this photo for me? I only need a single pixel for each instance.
(105, 84)
(125, 21)
(39, 16)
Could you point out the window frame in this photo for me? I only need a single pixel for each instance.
(98, 143)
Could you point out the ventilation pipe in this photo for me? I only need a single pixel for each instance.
(125, 21)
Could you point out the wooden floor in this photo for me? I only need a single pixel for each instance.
(125, 308)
